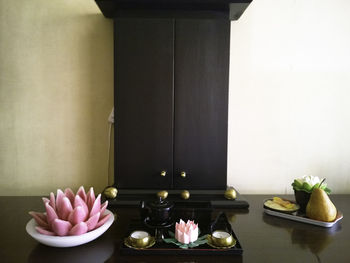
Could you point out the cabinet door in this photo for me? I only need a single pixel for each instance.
(201, 103)
(144, 102)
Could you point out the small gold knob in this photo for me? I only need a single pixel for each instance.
(230, 194)
(183, 174)
(110, 192)
(162, 194)
(185, 194)
(163, 173)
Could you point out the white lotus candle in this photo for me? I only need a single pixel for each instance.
(186, 233)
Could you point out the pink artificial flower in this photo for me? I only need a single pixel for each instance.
(70, 214)
(186, 233)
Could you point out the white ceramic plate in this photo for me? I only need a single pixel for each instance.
(68, 241)
(304, 219)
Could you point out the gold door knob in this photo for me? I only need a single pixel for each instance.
(183, 174)
(162, 194)
(110, 192)
(230, 194)
(185, 194)
(163, 173)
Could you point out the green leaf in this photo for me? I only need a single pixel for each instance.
(202, 237)
(297, 187)
(201, 242)
(316, 186)
(168, 240)
(307, 187)
(327, 190)
(297, 183)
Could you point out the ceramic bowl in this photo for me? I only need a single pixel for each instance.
(68, 241)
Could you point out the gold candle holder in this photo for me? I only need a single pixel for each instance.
(221, 238)
(139, 239)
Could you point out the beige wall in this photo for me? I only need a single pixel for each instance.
(289, 95)
(56, 92)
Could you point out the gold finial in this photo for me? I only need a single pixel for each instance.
(185, 194)
(230, 194)
(183, 174)
(162, 194)
(110, 192)
(163, 173)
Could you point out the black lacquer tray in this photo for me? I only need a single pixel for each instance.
(171, 249)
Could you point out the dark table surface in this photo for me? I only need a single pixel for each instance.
(264, 238)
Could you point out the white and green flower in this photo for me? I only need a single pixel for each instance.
(308, 182)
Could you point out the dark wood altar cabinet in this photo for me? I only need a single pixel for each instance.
(171, 97)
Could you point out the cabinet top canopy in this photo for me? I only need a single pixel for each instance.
(229, 9)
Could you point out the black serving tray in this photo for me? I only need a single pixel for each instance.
(171, 249)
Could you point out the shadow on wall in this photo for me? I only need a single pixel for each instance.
(99, 53)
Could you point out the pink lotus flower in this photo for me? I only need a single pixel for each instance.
(186, 233)
(69, 214)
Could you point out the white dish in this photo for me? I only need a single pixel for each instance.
(68, 241)
(303, 219)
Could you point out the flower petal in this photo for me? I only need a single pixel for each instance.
(90, 199)
(103, 207)
(39, 219)
(44, 231)
(92, 222)
(96, 207)
(80, 202)
(103, 220)
(59, 198)
(69, 193)
(45, 200)
(61, 227)
(77, 215)
(186, 238)
(50, 213)
(78, 229)
(52, 201)
(42, 216)
(81, 193)
(64, 208)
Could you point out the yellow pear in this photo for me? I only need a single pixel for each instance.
(320, 207)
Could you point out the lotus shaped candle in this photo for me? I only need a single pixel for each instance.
(186, 232)
(69, 214)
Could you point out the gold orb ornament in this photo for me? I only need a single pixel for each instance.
(110, 192)
(230, 194)
(162, 194)
(185, 194)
